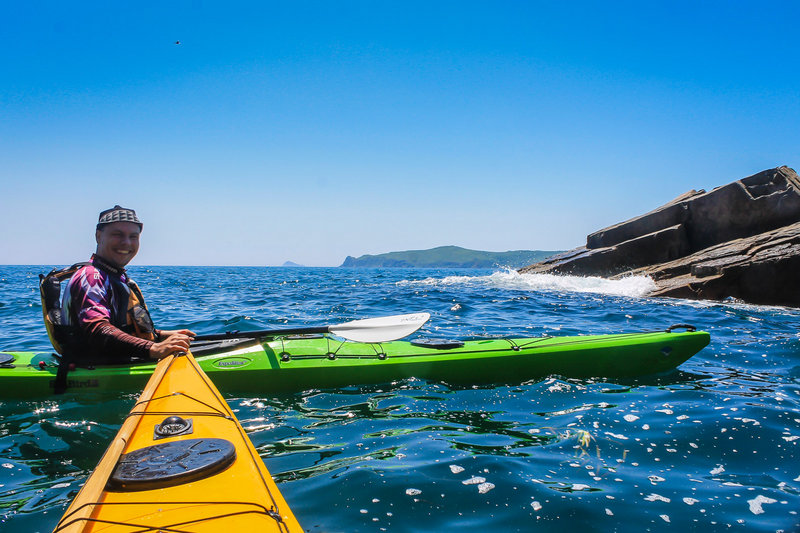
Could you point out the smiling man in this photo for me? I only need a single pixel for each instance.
(105, 308)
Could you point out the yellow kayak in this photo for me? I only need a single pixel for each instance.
(181, 462)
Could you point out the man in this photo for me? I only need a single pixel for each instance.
(106, 308)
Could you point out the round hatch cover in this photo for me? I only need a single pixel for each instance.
(6, 358)
(171, 463)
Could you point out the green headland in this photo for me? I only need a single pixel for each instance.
(449, 257)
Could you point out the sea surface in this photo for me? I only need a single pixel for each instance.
(711, 446)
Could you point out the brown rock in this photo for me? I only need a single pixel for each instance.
(760, 269)
(741, 240)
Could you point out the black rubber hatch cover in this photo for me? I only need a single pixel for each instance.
(171, 463)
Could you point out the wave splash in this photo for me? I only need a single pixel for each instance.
(633, 286)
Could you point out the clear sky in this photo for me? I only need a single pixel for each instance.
(309, 131)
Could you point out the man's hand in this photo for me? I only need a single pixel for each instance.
(177, 341)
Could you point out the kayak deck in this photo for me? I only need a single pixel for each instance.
(291, 364)
(180, 462)
(324, 363)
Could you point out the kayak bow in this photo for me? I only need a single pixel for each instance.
(180, 462)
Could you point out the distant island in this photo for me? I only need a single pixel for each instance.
(448, 257)
(291, 264)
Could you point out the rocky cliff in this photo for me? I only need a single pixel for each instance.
(741, 240)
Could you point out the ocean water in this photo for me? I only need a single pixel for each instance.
(711, 446)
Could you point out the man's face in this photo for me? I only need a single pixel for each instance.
(118, 242)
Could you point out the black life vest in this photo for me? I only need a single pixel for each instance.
(68, 339)
(62, 335)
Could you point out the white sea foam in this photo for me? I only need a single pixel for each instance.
(633, 286)
(756, 503)
(485, 487)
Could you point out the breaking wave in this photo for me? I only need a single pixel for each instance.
(633, 286)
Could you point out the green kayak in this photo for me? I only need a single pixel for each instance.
(297, 363)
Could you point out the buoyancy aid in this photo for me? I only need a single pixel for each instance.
(138, 316)
(61, 334)
(68, 339)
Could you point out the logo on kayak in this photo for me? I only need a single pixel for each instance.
(78, 383)
(232, 362)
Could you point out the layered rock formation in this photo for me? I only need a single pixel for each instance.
(741, 240)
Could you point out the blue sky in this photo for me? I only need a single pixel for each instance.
(309, 131)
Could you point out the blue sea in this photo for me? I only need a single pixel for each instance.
(711, 446)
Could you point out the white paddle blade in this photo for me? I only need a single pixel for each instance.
(382, 329)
